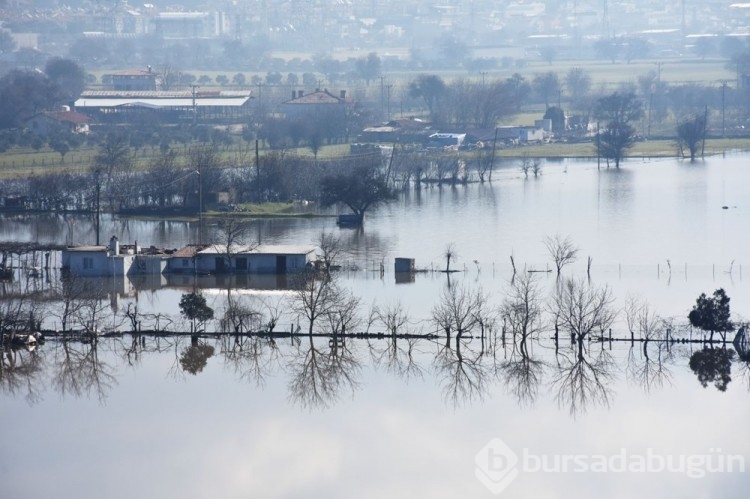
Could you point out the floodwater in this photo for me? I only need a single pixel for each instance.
(377, 418)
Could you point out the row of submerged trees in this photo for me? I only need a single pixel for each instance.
(469, 343)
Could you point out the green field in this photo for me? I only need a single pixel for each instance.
(22, 163)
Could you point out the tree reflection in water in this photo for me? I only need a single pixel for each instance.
(651, 371)
(398, 355)
(21, 372)
(78, 370)
(741, 345)
(195, 357)
(319, 374)
(463, 374)
(583, 379)
(713, 365)
(252, 358)
(522, 375)
(521, 312)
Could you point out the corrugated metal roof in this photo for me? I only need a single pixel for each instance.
(188, 251)
(87, 248)
(158, 103)
(162, 94)
(319, 97)
(263, 249)
(285, 249)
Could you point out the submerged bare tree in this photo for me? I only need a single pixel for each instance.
(69, 292)
(397, 354)
(561, 250)
(462, 311)
(521, 309)
(450, 254)
(330, 248)
(239, 315)
(583, 309)
(319, 296)
(529, 164)
(642, 320)
(484, 161)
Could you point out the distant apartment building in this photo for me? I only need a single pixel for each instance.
(136, 80)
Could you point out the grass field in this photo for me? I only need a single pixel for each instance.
(18, 163)
(604, 74)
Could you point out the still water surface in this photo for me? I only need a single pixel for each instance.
(378, 420)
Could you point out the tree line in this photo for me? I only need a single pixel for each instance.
(477, 339)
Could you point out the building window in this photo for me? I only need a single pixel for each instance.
(88, 263)
(241, 264)
(185, 262)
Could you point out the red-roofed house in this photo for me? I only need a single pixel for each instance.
(315, 102)
(46, 123)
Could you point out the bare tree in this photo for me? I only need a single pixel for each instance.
(398, 354)
(462, 311)
(529, 164)
(521, 309)
(562, 250)
(230, 239)
(582, 309)
(484, 161)
(239, 317)
(641, 319)
(317, 296)
(450, 254)
(330, 247)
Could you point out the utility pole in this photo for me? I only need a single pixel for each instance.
(257, 170)
(382, 95)
(97, 174)
(200, 206)
(492, 159)
(195, 108)
(598, 149)
(723, 107)
(388, 99)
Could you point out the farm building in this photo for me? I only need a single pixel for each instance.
(271, 259)
(108, 106)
